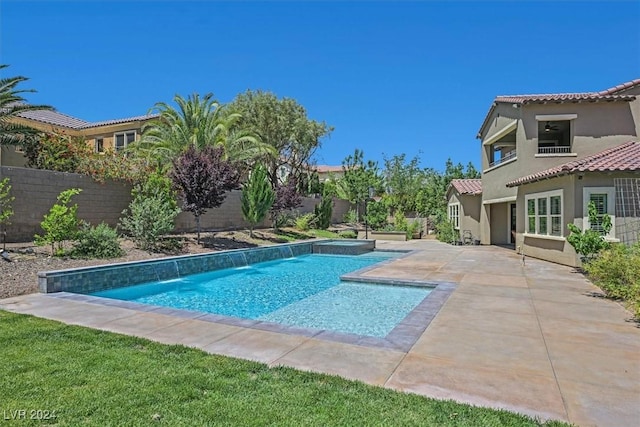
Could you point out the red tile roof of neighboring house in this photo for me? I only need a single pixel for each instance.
(467, 186)
(611, 94)
(55, 118)
(326, 168)
(606, 95)
(622, 158)
(125, 120)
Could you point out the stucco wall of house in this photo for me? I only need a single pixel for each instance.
(598, 126)
(550, 248)
(469, 211)
(499, 214)
(10, 157)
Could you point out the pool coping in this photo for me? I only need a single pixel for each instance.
(402, 337)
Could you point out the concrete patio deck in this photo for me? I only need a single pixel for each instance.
(528, 338)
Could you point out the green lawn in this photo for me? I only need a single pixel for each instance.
(90, 377)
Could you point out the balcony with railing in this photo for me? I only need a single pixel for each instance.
(505, 157)
(557, 149)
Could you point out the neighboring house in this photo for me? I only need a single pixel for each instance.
(325, 173)
(544, 157)
(464, 198)
(328, 173)
(108, 135)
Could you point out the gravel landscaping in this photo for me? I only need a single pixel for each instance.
(20, 275)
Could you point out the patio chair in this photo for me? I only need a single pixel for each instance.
(467, 237)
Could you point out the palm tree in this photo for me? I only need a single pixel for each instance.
(11, 105)
(198, 123)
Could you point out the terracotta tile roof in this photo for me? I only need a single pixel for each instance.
(467, 186)
(612, 94)
(55, 118)
(326, 168)
(125, 120)
(622, 158)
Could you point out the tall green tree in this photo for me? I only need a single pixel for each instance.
(431, 199)
(197, 122)
(11, 105)
(283, 124)
(257, 197)
(403, 181)
(359, 175)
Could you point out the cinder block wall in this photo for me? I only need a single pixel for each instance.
(35, 191)
(229, 215)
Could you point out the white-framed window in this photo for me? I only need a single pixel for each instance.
(604, 200)
(544, 213)
(454, 215)
(122, 139)
(99, 145)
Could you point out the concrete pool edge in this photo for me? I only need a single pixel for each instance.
(401, 338)
(77, 284)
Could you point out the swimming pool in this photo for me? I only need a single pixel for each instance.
(303, 291)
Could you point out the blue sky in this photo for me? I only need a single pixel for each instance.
(392, 78)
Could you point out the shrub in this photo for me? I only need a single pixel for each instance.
(400, 223)
(445, 232)
(97, 242)
(61, 223)
(151, 212)
(322, 212)
(305, 222)
(351, 217)
(287, 198)
(56, 151)
(589, 242)
(6, 211)
(348, 234)
(257, 197)
(377, 213)
(284, 219)
(617, 272)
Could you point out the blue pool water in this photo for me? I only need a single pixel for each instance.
(303, 291)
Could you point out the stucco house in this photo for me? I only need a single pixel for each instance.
(464, 198)
(109, 135)
(328, 173)
(545, 156)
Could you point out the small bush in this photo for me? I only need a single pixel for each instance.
(151, 212)
(322, 212)
(305, 222)
(617, 272)
(377, 213)
(348, 234)
(6, 210)
(445, 232)
(351, 217)
(400, 223)
(284, 219)
(589, 242)
(61, 223)
(97, 242)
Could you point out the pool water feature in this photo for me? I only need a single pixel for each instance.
(303, 291)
